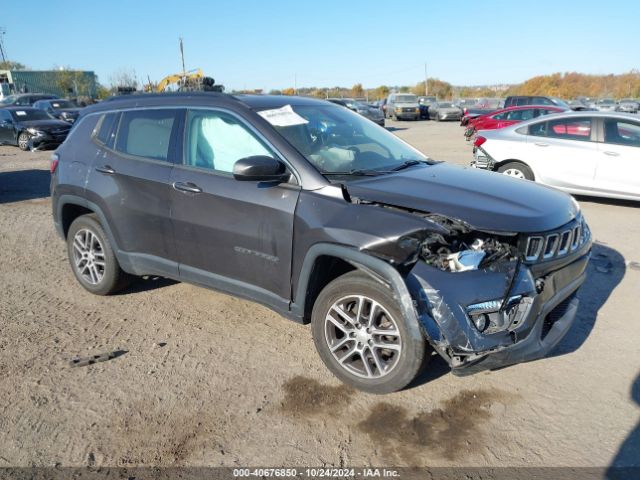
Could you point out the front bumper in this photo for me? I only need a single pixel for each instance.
(407, 116)
(450, 116)
(545, 310)
(40, 142)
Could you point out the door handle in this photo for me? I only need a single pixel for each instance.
(611, 154)
(541, 144)
(187, 187)
(106, 169)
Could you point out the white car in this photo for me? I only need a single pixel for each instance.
(585, 153)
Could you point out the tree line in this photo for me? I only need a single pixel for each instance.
(564, 85)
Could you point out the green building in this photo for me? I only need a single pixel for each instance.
(62, 83)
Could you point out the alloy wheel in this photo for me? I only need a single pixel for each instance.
(88, 256)
(362, 336)
(23, 141)
(514, 172)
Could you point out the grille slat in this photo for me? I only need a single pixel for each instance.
(555, 244)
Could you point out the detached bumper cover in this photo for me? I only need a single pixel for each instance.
(546, 310)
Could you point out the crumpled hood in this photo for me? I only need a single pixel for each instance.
(485, 200)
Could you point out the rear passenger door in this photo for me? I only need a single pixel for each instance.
(231, 235)
(130, 182)
(564, 151)
(618, 168)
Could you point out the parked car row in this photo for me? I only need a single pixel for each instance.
(36, 121)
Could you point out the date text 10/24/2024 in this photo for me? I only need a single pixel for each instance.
(316, 472)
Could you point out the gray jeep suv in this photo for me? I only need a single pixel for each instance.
(327, 218)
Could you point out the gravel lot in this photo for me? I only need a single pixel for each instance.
(201, 378)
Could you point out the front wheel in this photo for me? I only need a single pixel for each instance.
(23, 141)
(362, 336)
(516, 170)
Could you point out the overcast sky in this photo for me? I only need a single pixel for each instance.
(270, 44)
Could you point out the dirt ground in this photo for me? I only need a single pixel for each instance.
(200, 378)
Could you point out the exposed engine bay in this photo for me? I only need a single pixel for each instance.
(464, 249)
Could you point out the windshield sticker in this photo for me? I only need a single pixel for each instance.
(21, 113)
(282, 117)
(56, 105)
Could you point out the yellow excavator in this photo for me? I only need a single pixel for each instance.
(193, 80)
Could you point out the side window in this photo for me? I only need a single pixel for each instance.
(570, 129)
(522, 101)
(538, 129)
(527, 114)
(500, 116)
(514, 115)
(146, 133)
(217, 140)
(105, 128)
(621, 132)
(542, 101)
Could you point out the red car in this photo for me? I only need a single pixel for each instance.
(507, 116)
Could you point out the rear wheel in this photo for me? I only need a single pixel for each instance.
(517, 170)
(362, 336)
(92, 258)
(23, 141)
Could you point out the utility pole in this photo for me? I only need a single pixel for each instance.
(295, 84)
(426, 80)
(184, 71)
(2, 51)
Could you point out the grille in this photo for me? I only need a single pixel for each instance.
(408, 109)
(556, 244)
(554, 315)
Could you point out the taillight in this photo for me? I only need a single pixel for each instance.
(479, 141)
(55, 158)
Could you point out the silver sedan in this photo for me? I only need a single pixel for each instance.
(586, 153)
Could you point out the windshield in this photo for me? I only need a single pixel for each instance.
(30, 114)
(56, 104)
(445, 105)
(10, 100)
(406, 99)
(336, 140)
(607, 101)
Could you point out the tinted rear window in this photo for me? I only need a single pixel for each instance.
(146, 133)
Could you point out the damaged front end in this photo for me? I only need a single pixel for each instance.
(490, 299)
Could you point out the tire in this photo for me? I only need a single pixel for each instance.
(88, 243)
(517, 170)
(359, 360)
(23, 141)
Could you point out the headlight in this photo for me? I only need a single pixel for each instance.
(35, 132)
(497, 315)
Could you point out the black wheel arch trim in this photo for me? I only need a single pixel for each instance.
(375, 267)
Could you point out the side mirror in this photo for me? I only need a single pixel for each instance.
(260, 168)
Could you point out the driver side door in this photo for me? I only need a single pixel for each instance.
(231, 235)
